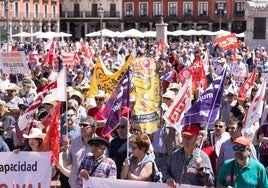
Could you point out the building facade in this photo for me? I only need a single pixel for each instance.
(80, 17)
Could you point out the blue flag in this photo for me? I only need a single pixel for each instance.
(206, 108)
(118, 99)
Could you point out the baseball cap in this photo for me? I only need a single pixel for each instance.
(244, 141)
(190, 130)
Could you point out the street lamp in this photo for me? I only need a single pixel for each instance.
(101, 13)
(220, 12)
(8, 27)
(162, 14)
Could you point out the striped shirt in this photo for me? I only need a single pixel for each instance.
(106, 167)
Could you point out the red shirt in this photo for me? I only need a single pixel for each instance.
(96, 113)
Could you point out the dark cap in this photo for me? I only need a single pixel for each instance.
(23, 106)
(99, 140)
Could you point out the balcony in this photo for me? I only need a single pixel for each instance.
(30, 16)
(88, 14)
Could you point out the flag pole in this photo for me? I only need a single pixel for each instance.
(128, 99)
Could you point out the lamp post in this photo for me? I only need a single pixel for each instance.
(101, 13)
(220, 12)
(162, 14)
(8, 25)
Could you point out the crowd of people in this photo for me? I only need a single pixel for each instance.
(222, 155)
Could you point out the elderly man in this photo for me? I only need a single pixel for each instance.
(242, 171)
(97, 165)
(73, 154)
(188, 164)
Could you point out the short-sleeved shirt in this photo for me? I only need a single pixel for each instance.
(253, 175)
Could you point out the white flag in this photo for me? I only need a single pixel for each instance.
(256, 107)
(59, 93)
(180, 105)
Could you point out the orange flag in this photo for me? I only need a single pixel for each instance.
(242, 94)
(228, 42)
(51, 141)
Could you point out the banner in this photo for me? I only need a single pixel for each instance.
(182, 103)
(147, 88)
(118, 99)
(14, 62)
(103, 79)
(228, 42)
(108, 183)
(206, 108)
(25, 169)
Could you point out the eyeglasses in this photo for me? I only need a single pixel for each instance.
(97, 145)
(121, 126)
(239, 148)
(83, 125)
(218, 126)
(69, 115)
(99, 99)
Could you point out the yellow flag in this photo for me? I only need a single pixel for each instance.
(105, 80)
(147, 88)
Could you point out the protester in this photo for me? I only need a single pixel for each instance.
(78, 149)
(188, 164)
(119, 145)
(226, 151)
(242, 171)
(139, 166)
(34, 139)
(97, 165)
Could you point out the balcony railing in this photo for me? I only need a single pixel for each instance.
(30, 16)
(89, 14)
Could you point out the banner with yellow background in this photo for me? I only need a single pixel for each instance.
(146, 83)
(105, 80)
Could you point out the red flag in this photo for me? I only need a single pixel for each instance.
(228, 42)
(51, 52)
(15, 49)
(196, 70)
(161, 46)
(242, 94)
(51, 141)
(76, 59)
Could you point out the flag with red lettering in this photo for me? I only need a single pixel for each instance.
(256, 107)
(181, 104)
(242, 94)
(228, 42)
(24, 119)
(161, 46)
(197, 72)
(51, 141)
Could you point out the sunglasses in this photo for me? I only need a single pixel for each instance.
(69, 115)
(99, 99)
(97, 145)
(121, 126)
(218, 126)
(83, 125)
(239, 148)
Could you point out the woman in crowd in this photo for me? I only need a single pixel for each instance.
(139, 166)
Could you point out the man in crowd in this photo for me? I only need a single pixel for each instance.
(188, 164)
(242, 171)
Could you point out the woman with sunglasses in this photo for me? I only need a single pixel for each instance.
(97, 164)
(73, 154)
(139, 166)
(242, 171)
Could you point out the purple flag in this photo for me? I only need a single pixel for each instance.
(206, 108)
(118, 99)
(166, 75)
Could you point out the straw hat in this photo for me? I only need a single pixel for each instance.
(169, 94)
(35, 133)
(101, 94)
(13, 87)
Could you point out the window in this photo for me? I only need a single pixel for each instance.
(46, 11)
(220, 9)
(259, 28)
(188, 9)
(36, 8)
(172, 9)
(157, 9)
(16, 9)
(143, 9)
(203, 9)
(239, 9)
(54, 13)
(129, 10)
(27, 13)
(113, 10)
